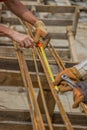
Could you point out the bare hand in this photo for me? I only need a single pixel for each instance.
(23, 40)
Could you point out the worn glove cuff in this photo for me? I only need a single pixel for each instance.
(76, 73)
(82, 69)
(38, 24)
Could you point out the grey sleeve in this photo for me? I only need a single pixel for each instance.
(82, 68)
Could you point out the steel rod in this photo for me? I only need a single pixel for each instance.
(54, 92)
(42, 93)
(33, 105)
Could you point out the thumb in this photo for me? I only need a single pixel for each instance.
(58, 79)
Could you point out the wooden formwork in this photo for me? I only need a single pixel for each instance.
(61, 22)
(64, 20)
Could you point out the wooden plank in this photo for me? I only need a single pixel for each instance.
(13, 125)
(21, 125)
(13, 78)
(63, 2)
(75, 21)
(58, 22)
(13, 120)
(71, 39)
(12, 64)
(75, 118)
(52, 9)
(57, 35)
(24, 115)
(9, 63)
(48, 22)
(4, 52)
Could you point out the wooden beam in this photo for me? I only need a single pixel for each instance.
(20, 119)
(12, 64)
(53, 35)
(75, 21)
(13, 78)
(8, 63)
(72, 46)
(52, 9)
(8, 51)
(14, 125)
(48, 22)
(24, 115)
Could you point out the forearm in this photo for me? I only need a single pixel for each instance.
(20, 10)
(6, 31)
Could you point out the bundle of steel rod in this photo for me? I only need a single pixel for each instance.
(58, 61)
(36, 117)
(42, 56)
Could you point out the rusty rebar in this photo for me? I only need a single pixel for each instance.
(42, 93)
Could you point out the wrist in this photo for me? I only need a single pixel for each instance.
(5, 30)
(38, 23)
(82, 69)
(76, 72)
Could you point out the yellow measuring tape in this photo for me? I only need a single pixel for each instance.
(40, 45)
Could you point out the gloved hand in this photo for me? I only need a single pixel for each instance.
(72, 73)
(40, 26)
(64, 87)
(80, 93)
(41, 30)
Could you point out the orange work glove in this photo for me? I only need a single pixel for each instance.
(64, 87)
(41, 30)
(41, 26)
(72, 73)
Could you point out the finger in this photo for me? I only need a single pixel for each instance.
(21, 44)
(63, 88)
(66, 83)
(27, 44)
(63, 83)
(31, 40)
(58, 79)
(32, 43)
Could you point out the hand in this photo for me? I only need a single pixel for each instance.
(72, 73)
(23, 40)
(64, 87)
(41, 30)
